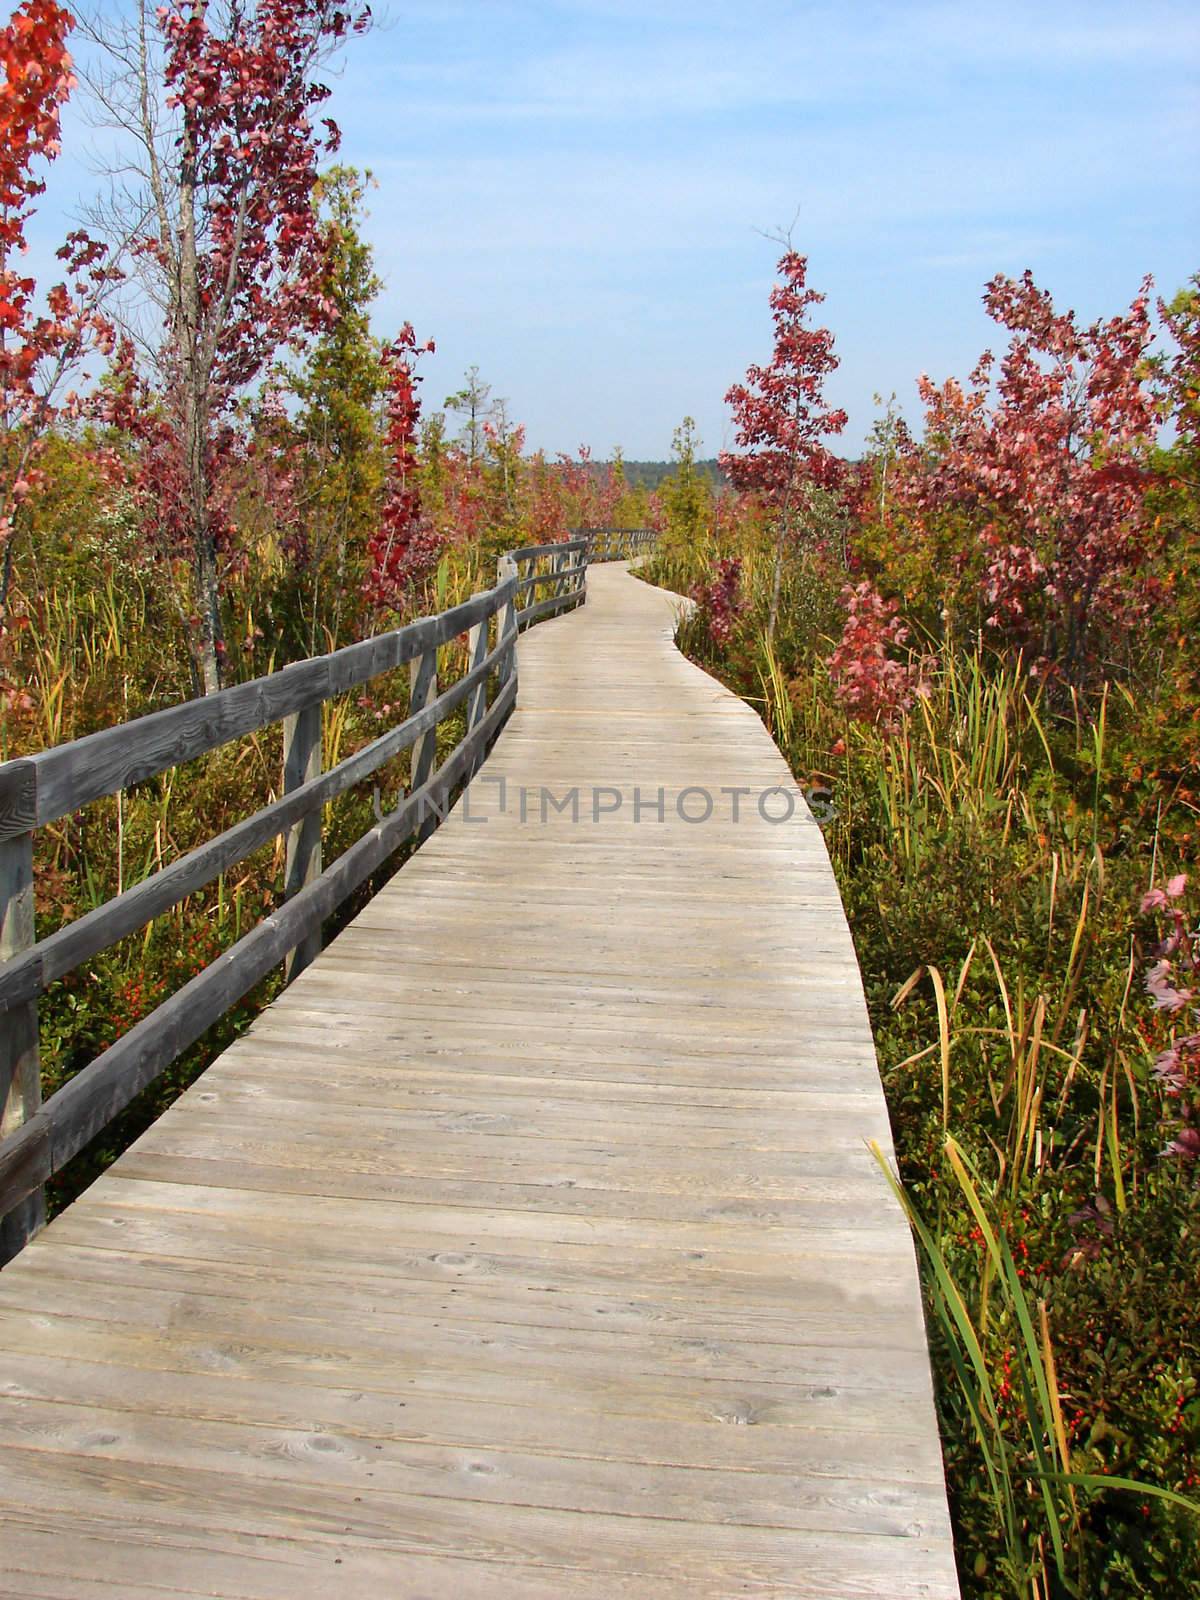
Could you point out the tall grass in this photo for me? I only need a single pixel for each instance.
(1038, 1497)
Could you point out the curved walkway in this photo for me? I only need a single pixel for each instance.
(529, 1247)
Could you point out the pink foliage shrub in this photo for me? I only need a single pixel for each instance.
(1047, 457)
(1173, 984)
(869, 680)
(720, 600)
(406, 546)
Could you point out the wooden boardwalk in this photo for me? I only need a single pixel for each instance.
(529, 1247)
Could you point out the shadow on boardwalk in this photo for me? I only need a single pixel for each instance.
(529, 1245)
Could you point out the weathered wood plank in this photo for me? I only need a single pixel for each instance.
(301, 764)
(532, 552)
(696, 1557)
(18, 798)
(506, 580)
(477, 648)
(423, 688)
(20, 1070)
(296, 1292)
(816, 1501)
(469, 1354)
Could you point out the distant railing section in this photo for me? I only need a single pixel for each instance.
(618, 544)
(36, 1139)
(560, 569)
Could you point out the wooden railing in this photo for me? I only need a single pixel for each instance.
(562, 568)
(618, 544)
(38, 1139)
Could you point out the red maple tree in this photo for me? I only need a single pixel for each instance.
(545, 508)
(872, 669)
(238, 257)
(1178, 380)
(782, 417)
(39, 347)
(1047, 460)
(406, 546)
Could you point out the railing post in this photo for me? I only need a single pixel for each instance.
(20, 1067)
(302, 761)
(477, 645)
(422, 688)
(506, 568)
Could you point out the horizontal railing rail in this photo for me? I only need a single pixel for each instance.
(618, 544)
(38, 1139)
(559, 568)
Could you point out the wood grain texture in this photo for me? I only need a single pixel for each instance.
(302, 762)
(507, 573)
(18, 798)
(528, 1247)
(477, 647)
(20, 1068)
(422, 692)
(532, 552)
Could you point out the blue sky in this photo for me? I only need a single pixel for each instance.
(573, 196)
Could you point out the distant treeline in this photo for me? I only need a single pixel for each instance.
(650, 474)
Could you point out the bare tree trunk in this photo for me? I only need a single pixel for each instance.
(208, 601)
(194, 369)
(339, 581)
(781, 538)
(776, 582)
